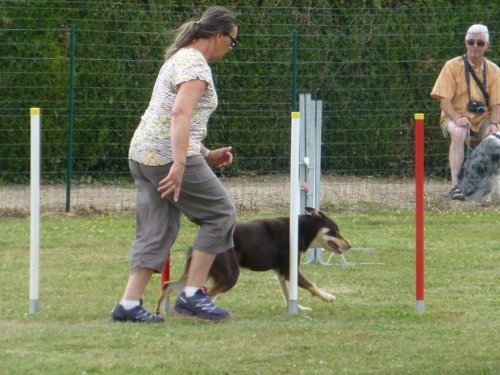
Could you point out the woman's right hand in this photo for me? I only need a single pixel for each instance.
(172, 182)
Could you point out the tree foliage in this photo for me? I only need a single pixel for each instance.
(372, 63)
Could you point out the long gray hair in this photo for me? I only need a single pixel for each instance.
(214, 20)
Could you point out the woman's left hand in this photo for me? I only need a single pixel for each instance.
(220, 157)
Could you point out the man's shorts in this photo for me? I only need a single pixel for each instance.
(474, 137)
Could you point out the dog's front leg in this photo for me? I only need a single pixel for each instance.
(284, 292)
(314, 290)
(283, 286)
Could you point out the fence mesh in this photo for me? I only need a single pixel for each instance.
(373, 68)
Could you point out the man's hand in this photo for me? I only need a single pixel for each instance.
(492, 128)
(462, 121)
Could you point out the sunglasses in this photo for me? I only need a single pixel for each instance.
(234, 42)
(479, 43)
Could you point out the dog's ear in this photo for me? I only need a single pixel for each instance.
(314, 212)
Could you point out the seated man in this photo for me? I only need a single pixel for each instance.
(468, 89)
(481, 167)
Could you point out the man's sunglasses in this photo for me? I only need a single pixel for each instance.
(234, 42)
(479, 43)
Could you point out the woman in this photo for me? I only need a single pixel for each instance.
(170, 166)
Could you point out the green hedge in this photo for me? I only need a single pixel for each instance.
(372, 63)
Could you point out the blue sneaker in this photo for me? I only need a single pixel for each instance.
(137, 314)
(199, 306)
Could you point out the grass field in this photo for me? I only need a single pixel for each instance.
(372, 328)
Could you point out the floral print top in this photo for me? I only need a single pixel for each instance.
(151, 143)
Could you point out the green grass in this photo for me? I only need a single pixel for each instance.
(372, 328)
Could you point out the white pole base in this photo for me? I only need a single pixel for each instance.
(420, 306)
(293, 306)
(33, 306)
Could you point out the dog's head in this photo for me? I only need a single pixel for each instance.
(328, 236)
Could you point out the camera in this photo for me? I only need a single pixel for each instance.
(476, 107)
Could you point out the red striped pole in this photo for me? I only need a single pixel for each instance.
(165, 278)
(165, 273)
(419, 211)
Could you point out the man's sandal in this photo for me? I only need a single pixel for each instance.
(456, 194)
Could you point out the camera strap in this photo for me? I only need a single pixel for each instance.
(482, 85)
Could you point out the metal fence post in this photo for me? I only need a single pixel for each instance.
(71, 113)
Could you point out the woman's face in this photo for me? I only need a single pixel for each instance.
(224, 43)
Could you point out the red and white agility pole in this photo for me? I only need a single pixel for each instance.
(165, 277)
(419, 212)
(165, 273)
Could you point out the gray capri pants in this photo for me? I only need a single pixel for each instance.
(203, 200)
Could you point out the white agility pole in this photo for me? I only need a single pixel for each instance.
(35, 211)
(294, 214)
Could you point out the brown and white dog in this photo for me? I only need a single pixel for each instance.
(263, 245)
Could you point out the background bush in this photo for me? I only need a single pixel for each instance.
(373, 63)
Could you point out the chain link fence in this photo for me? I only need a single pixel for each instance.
(90, 67)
